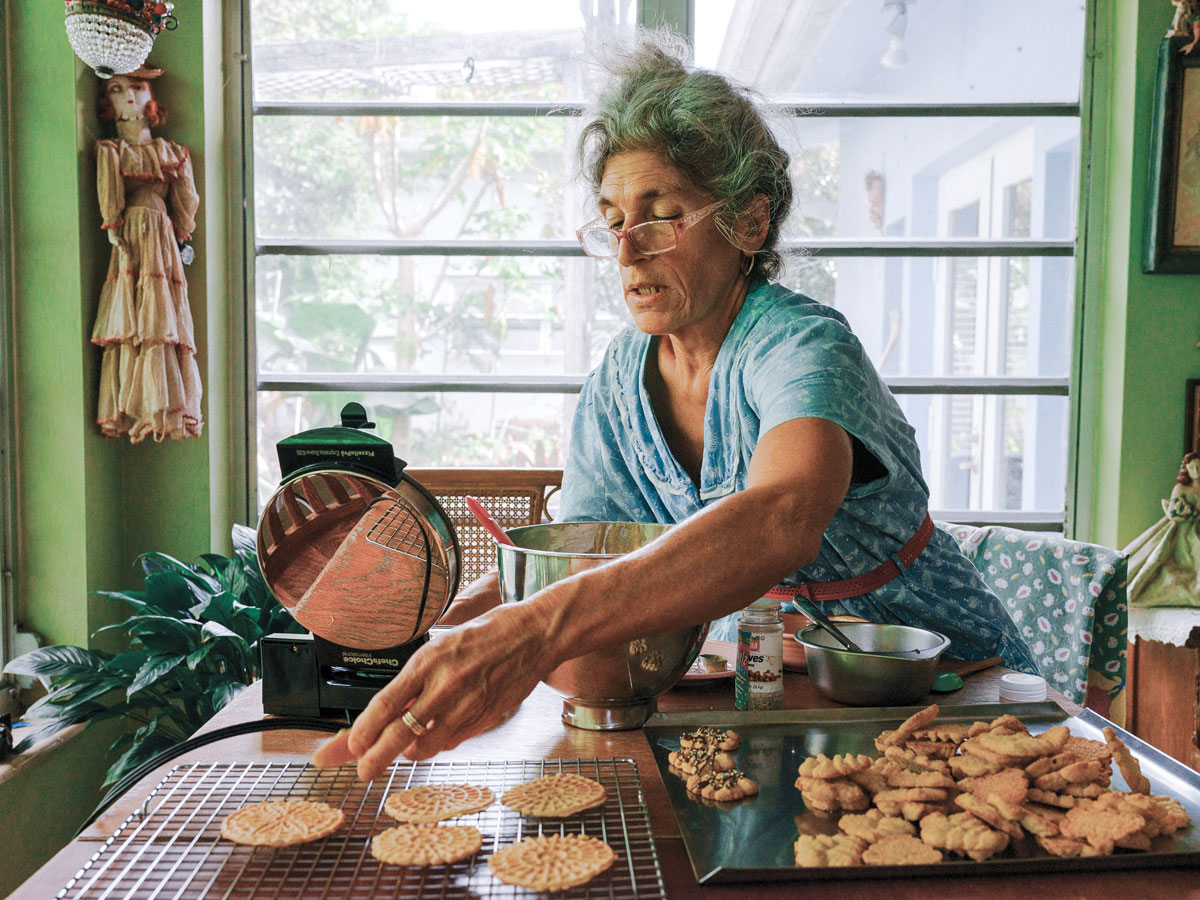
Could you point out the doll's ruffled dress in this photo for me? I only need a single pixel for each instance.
(1164, 560)
(149, 380)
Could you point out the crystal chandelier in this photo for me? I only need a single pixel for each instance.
(115, 36)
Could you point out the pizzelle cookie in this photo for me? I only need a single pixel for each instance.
(424, 844)
(555, 795)
(281, 823)
(435, 802)
(552, 863)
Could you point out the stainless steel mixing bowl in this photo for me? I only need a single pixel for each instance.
(873, 678)
(612, 689)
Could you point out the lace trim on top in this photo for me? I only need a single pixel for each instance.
(159, 160)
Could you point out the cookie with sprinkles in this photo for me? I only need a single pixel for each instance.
(724, 786)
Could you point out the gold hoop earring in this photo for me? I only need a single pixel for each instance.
(746, 270)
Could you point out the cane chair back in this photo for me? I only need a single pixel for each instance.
(514, 497)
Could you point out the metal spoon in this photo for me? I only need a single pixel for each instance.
(813, 612)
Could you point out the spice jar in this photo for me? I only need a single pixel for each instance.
(758, 679)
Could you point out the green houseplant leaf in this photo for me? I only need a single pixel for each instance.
(191, 645)
(57, 660)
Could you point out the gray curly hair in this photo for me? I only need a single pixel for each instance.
(701, 123)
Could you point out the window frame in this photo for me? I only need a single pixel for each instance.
(678, 15)
(8, 502)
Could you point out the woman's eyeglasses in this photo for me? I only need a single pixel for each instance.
(647, 238)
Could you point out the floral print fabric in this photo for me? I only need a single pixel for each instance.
(1068, 600)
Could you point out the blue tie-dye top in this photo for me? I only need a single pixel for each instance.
(785, 357)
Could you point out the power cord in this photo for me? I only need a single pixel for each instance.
(277, 723)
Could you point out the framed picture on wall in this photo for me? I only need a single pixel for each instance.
(1171, 240)
(1191, 427)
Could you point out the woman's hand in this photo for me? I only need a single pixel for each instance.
(458, 685)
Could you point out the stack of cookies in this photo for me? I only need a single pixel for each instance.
(972, 791)
(705, 761)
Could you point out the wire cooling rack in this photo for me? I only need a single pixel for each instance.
(172, 847)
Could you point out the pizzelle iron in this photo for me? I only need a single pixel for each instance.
(361, 555)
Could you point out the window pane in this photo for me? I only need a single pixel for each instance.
(512, 178)
(867, 178)
(397, 50)
(463, 315)
(426, 429)
(432, 178)
(991, 452)
(963, 51)
(553, 316)
(937, 316)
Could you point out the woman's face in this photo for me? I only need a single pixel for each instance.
(1193, 469)
(129, 96)
(693, 289)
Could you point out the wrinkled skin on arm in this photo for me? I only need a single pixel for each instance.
(475, 599)
(470, 678)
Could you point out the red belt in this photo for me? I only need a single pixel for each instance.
(895, 565)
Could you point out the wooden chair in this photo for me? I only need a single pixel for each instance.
(514, 497)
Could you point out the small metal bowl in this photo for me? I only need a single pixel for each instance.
(872, 678)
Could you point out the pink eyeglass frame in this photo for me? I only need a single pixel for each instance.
(680, 225)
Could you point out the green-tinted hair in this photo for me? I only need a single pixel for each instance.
(699, 122)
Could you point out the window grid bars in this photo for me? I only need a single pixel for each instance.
(830, 247)
(799, 109)
(826, 247)
(572, 384)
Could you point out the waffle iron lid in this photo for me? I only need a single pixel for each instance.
(359, 558)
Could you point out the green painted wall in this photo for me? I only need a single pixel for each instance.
(1148, 324)
(64, 471)
(89, 506)
(55, 791)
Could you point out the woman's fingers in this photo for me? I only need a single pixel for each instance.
(453, 688)
(335, 751)
(390, 744)
(387, 706)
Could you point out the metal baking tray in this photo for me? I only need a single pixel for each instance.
(753, 839)
(172, 847)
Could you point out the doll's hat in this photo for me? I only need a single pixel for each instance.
(146, 72)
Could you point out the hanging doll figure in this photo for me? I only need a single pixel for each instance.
(149, 380)
(1164, 560)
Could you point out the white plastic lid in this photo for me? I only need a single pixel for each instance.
(1019, 686)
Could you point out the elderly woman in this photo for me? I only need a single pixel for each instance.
(746, 413)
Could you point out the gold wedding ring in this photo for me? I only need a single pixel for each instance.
(413, 725)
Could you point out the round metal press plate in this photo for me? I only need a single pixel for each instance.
(353, 559)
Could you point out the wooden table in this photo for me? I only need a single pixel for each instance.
(536, 731)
